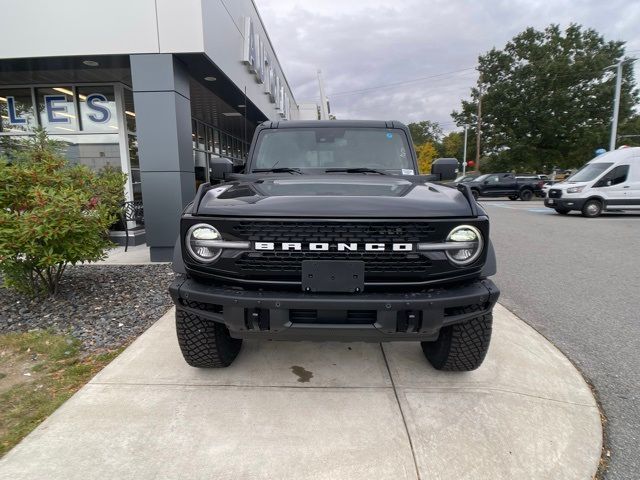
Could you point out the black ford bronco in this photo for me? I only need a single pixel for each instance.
(331, 234)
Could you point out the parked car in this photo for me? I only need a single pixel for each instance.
(532, 176)
(504, 185)
(466, 178)
(325, 237)
(610, 181)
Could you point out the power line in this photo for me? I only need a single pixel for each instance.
(453, 72)
(394, 84)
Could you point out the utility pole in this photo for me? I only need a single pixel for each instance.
(464, 150)
(479, 127)
(324, 112)
(616, 106)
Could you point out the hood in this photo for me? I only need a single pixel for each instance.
(564, 185)
(352, 195)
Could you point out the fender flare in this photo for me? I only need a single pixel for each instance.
(177, 263)
(490, 266)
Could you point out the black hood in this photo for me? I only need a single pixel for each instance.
(334, 195)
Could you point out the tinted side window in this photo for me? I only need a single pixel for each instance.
(493, 179)
(618, 174)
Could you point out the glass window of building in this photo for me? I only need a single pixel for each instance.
(97, 109)
(129, 111)
(16, 111)
(95, 151)
(57, 109)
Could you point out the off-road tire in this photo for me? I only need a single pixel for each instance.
(526, 195)
(562, 211)
(592, 208)
(460, 347)
(204, 343)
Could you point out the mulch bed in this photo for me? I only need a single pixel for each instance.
(104, 306)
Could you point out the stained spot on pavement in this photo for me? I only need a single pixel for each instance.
(303, 375)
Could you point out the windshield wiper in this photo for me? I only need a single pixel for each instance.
(278, 170)
(355, 170)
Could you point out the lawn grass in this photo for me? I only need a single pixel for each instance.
(39, 371)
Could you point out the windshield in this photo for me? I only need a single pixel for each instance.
(318, 149)
(589, 172)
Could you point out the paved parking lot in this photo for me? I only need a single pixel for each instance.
(577, 280)
(322, 411)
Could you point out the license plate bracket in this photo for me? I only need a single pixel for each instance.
(332, 276)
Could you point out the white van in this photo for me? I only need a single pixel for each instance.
(610, 181)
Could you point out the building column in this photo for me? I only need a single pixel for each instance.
(163, 123)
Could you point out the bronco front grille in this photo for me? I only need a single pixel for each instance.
(388, 266)
(291, 262)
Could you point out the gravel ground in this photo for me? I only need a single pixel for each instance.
(105, 306)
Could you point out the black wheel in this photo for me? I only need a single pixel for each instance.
(592, 208)
(475, 194)
(460, 347)
(204, 343)
(526, 195)
(562, 211)
(513, 197)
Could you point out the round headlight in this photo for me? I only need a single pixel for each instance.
(465, 234)
(196, 241)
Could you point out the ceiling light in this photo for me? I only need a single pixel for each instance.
(210, 79)
(91, 63)
(2, 99)
(63, 90)
(231, 114)
(131, 114)
(242, 106)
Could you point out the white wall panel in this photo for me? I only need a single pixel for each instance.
(77, 27)
(180, 26)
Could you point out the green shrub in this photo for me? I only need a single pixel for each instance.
(52, 214)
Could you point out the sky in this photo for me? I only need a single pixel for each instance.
(423, 52)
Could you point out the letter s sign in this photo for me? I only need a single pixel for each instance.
(101, 114)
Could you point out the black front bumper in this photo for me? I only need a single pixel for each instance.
(565, 203)
(414, 316)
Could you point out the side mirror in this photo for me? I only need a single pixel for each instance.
(445, 168)
(486, 182)
(219, 168)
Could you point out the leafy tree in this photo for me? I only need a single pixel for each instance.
(426, 152)
(51, 215)
(547, 97)
(452, 145)
(425, 131)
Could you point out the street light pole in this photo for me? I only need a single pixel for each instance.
(616, 100)
(479, 127)
(464, 151)
(616, 106)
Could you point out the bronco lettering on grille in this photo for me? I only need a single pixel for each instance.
(340, 247)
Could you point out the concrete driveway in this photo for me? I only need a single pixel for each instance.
(322, 411)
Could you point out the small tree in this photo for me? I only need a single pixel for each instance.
(52, 214)
(426, 152)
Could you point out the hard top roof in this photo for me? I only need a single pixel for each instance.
(334, 124)
(617, 155)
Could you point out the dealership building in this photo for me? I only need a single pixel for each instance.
(158, 88)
